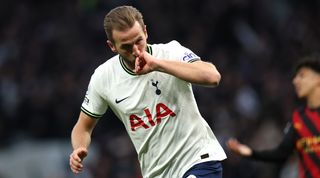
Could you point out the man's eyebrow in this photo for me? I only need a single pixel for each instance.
(126, 45)
(131, 43)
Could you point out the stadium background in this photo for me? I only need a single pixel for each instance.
(49, 49)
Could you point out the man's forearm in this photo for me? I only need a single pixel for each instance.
(199, 72)
(80, 138)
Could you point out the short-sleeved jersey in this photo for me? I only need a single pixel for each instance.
(159, 112)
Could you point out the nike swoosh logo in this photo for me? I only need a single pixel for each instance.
(118, 101)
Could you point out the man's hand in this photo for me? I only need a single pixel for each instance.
(76, 158)
(241, 149)
(144, 63)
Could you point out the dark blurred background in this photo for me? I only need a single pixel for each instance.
(49, 49)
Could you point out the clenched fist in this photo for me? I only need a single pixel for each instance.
(76, 158)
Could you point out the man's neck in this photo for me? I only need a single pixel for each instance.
(127, 63)
(314, 99)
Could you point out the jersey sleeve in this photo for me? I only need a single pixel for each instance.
(94, 104)
(181, 53)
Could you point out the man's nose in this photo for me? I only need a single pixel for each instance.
(135, 50)
(295, 80)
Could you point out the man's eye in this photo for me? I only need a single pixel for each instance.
(126, 47)
(139, 41)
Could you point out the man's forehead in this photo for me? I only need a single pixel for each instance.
(129, 35)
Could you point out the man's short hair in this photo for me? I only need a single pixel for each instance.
(311, 61)
(121, 18)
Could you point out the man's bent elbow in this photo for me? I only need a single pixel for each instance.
(214, 80)
(214, 76)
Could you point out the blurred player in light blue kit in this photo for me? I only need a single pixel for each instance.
(149, 88)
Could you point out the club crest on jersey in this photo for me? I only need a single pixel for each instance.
(155, 84)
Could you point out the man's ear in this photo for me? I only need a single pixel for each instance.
(111, 46)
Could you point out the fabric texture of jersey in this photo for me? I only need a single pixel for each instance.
(159, 112)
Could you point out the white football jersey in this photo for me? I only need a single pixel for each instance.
(159, 112)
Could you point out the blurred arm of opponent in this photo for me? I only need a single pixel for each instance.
(278, 154)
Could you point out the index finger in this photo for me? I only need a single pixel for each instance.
(75, 157)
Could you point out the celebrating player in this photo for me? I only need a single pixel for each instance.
(304, 132)
(149, 88)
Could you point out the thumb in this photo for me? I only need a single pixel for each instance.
(82, 153)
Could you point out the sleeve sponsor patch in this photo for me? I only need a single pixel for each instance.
(189, 56)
